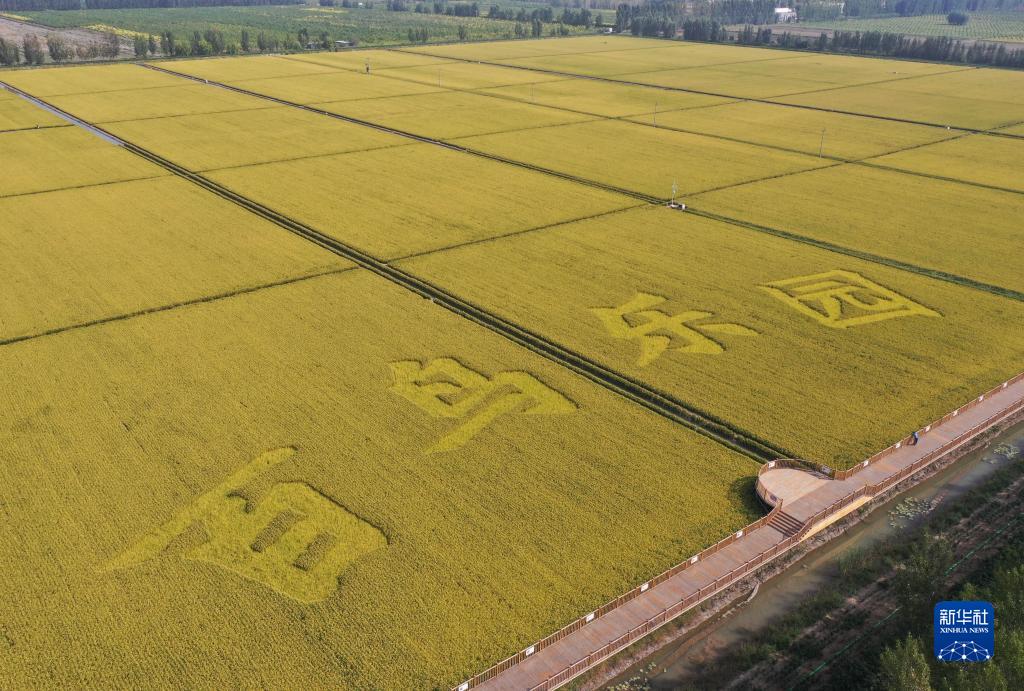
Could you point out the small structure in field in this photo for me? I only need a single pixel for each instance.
(784, 15)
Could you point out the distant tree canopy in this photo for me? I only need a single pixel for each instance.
(832, 9)
(37, 5)
(957, 18)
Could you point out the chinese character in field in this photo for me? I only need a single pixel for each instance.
(657, 331)
(840, 299)
(293, 539)
(446, 388)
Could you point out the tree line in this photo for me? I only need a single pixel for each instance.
(826, 10)
(880, 43)
(458, 9)
(31, 50)
(39, 5)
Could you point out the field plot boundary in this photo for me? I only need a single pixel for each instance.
(732, 96)
(696, 420)
(629, 119)
(878, 259)
(932, 273)
(215, 297)
(628, 618)
(866, 256)
(417, 137)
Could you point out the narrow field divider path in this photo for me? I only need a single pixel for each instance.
(664, 404)
(867, 256)
(752, 99)
(415, 137)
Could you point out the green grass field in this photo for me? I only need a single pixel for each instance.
(367, 26)
(994, 26)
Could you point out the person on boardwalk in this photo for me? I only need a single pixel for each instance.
(914, 439)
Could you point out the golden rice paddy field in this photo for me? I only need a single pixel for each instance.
(133, 538)
(232, 457)
(159, 102)
(813, 132)
(604, 98)
(976, 98)
(248, 137)
(418, 198)
(932, 351)
(39, 160)
(913, 219)
(18, 114)
(643, 159)
(452, 114)
(177, 244)
(982, 159)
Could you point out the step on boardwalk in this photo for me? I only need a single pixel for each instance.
(811, 501)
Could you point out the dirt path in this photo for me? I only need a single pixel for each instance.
(16, 30)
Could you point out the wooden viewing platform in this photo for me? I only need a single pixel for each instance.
(804, 502)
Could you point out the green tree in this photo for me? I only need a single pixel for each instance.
(923, 572)
(151, 44)
(975, 676)
(1008, 590)
(111, 45)
(246, 43)
(59, 49)
(1011, 658)
(9, 53)
(32, 49)
(141, 46)
(903, 667)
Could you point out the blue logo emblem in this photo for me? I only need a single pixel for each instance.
(964, 631)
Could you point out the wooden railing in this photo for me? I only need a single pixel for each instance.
(618, 602)
(843, 474)
(751, 564)
(796, 463)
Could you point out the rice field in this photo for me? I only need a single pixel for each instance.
(288, 398)
(160, 102)
(604, 98)
(887, 213)
(812, 132)
(418, 198)
(248, 137)
(560, 282)
(643, 159)
(178, 244)
(39, 160)
(18, 114)
(973, 99)
(982, 159)
(453, 114)
(280, 403)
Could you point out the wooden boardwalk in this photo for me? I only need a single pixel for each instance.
(808, 501)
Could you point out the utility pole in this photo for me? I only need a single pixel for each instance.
(656, 117)
(821, 145)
